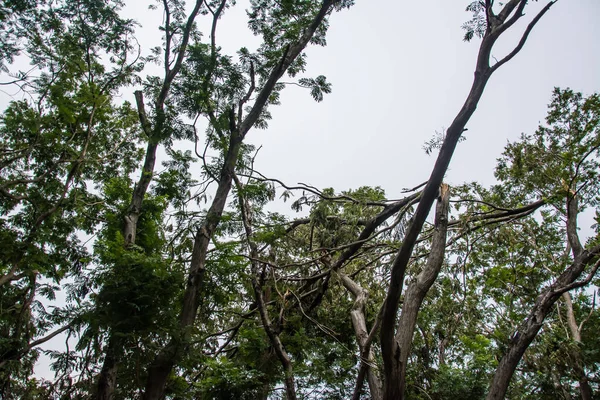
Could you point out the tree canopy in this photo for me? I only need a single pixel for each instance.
(142, 232)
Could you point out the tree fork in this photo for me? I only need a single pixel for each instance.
(418, 289)
(496, 26)
(529, 328)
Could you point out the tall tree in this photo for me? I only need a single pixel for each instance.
(157, 127)
(568, 150)
(193, 289)
(55, 145)
(286, 30)
(490, 25)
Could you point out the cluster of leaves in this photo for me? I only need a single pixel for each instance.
(56, 150)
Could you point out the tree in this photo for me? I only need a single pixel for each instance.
(302, 23)
(570, 168)
(192, 289)
(490, 25)
(54, 147)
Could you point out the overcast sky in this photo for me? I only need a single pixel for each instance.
(400, 71)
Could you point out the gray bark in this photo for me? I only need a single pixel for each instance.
(417, 290)
(108, 374)
(359, 323)
(584, 386)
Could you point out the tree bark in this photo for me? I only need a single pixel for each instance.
(417, 290)
(359, 323)
(284, 358)
(584, 386)
(108, 374)
(528, 330)
(165, 360)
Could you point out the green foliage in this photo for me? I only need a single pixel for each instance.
(561, 157)
(458, 383)
(317, 86)
(224, 379)
(57, 148)
(16, 17)
(478, 23)
(68, 155)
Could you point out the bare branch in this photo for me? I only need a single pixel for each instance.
(521, 43)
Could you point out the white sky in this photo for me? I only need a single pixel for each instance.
(400, 71)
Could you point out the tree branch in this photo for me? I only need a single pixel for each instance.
(521, 43)
(258, 292)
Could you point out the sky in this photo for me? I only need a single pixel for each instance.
(400, 72)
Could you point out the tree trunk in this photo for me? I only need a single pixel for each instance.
(167, 357)
(108, 374)
(165, 360)
(390, 349)
(584, 386)
(362, 336)
(286, 362)
(417, 290)
(107, 381)
(527, 331)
